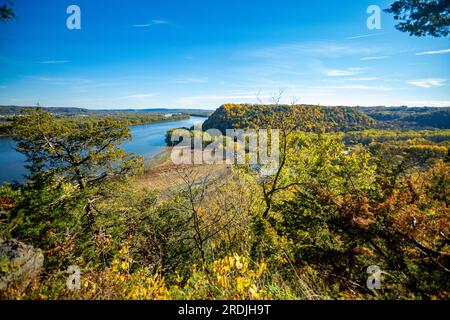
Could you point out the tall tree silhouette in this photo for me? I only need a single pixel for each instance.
(422, 17)
(6, 11)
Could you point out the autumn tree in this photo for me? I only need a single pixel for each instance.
(355, 210)
(195, 197)
(288, 120)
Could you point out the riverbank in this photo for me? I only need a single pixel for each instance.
(148, 140)
(126, 119)
(162, 174)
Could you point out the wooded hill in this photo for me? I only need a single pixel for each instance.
(340, 118)
(410, 117)
(8, 111)
(233, 116)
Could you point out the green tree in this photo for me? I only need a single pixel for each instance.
(422, 17)
(289, 120)
(43, 213)
(85, 155)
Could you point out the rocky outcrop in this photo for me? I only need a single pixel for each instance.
(19, 263)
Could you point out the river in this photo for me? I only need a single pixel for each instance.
(148, 139)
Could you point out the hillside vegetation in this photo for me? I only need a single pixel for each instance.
(7, 111)
(78, 118)
(404, 117)
(233, 116)
(338, 205)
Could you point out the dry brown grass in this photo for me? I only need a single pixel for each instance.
(167, 175)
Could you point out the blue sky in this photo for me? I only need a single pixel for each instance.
(167, 53)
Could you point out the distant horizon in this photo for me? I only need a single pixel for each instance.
(215, 108)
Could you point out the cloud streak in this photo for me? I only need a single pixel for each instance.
(429, 103)
(343, 72)
(54, 61)
(427, 83)
(374, 58)
(364, 36)
(191, 80)
(357, 87)
(363, 79)
(313, 49)
(140, 96)
(433, 52)
(146, 25)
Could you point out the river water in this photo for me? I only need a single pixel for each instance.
(148, 139)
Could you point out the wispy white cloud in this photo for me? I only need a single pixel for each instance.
(63, 81)
(73, 82)
(314, 49)
(375, 58)
(357, 87)
(313, 94)
(216, 99)
(343, 72)
(230, 96)
(363, 79)
(140, 96)
(433, 52)
(152, 23)
(191, 80)
(429, 103)
(365, 36)
(427, 83)
(54, 61)
(160, 22)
